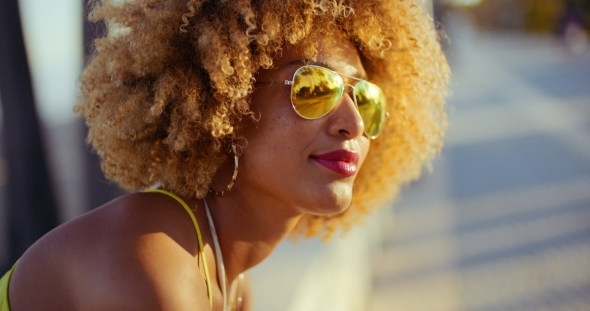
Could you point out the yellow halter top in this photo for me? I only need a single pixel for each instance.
(4, 306)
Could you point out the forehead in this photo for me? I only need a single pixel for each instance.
(337, 53)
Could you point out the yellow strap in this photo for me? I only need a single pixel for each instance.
(4, 282)
(199, 237)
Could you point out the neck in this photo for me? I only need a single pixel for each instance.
(249, 228)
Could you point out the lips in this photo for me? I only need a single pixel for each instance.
(341, 161)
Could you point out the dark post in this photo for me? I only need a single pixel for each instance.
(31, 205)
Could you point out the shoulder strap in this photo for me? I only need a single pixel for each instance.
(199, 238)
(4, 282)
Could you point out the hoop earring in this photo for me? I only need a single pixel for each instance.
(234, 177)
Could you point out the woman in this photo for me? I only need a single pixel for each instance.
(250, 121)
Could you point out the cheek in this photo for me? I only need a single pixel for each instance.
(278, 143)
(364, 147)
(267, 136)
(275, 138)
(278, 125)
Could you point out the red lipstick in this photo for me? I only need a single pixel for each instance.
(341, 161)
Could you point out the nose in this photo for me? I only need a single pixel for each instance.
(345, 120)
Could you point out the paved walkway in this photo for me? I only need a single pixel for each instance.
(503, 223)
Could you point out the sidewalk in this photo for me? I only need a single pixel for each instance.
(503, 223)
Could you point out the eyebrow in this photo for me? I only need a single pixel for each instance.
(357, 75)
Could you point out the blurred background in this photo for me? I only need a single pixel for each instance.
(501, 222)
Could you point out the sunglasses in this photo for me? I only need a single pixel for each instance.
(316, 90)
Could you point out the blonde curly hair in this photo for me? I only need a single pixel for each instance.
(168, 87)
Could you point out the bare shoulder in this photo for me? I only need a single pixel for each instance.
(138, 252)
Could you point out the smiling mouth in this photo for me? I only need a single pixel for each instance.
(341, 161)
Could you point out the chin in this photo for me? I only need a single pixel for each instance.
(336, 199)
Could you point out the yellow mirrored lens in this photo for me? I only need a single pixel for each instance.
(371, 104)
(316, 91)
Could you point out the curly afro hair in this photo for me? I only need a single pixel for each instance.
(168, 86)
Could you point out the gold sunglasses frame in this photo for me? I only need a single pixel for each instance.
(340, 75)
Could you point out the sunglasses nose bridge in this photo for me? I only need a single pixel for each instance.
(351, 94)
